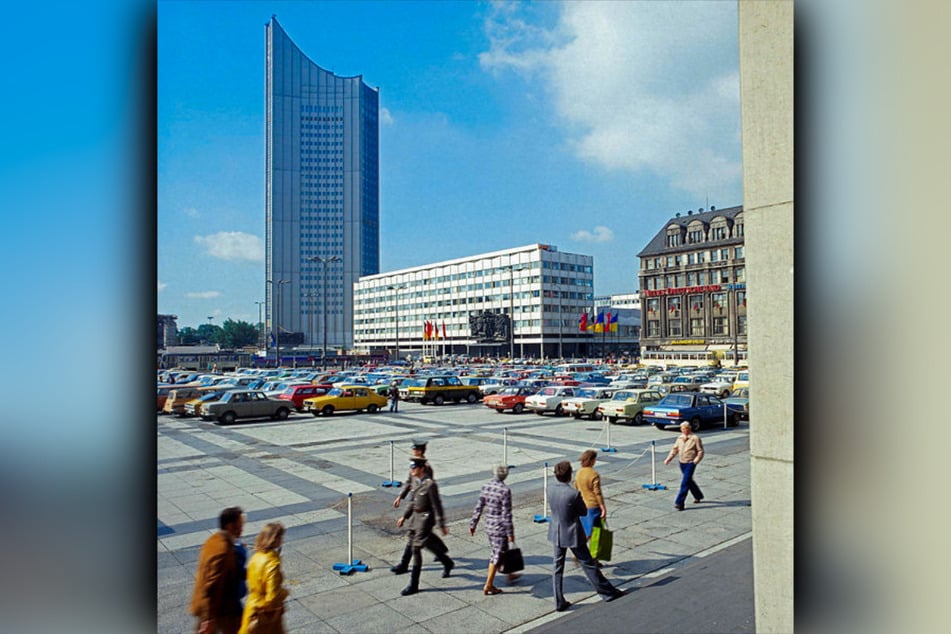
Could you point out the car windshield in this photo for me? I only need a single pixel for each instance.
(677, 400)
(586, 393)
(548, 391)
(740, 392)
(623, 396)
(335, 392)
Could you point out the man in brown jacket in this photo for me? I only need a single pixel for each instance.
(216, 601)
(690, 450)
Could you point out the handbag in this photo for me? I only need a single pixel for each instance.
(512, 561)
(266, 622)
(602, 541)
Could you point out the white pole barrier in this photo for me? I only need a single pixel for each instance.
(724, 414)
(653, 486)
(351, 565)
(539, 519)
(391, 482)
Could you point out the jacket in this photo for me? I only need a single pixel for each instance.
(567, 509)
(265, 588)
(217, 579)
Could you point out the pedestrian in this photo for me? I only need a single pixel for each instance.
(265, 608)
(394, 394)
(215, 601)
(495, 500)
(435, 544)
(689, 448)
(565, 531)
(424, 513)
(588, 483)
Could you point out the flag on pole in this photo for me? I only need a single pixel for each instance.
(614, 325)
(607, 321)
(591, 323)
(434, 329)
(583, 322)
(443, 328)
(426, 330)
(599, 323)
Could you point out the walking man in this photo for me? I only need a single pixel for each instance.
(394, 394)
(424, 513)
(690, 449)
(565, 531)
(435, 543)
(216, 601)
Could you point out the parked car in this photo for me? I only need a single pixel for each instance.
(175, 403)
(162, 395)
(297, 394)
(677, 407)
(512, 397)
(208, 394)
(345, 398)
(548, 399)
(628, 405)
(742, 379)
(236, 404)
(661, 382)
(586, 401)
(721, 385)
(439, 389)
(738, 405)
(686, 383)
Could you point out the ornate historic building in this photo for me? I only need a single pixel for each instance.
(693, 289)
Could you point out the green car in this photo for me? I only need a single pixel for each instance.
(626, 405)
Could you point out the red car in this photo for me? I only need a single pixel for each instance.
(512, 397)
(297, 393)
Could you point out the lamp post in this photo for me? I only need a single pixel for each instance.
(277, 327)
(261, 328)
(396, 301)
(324, 262)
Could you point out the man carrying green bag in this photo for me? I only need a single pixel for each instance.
(602, 541)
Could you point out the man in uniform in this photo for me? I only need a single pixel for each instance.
(435, 543)
(424, 513)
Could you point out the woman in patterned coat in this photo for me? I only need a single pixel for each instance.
(495, 500)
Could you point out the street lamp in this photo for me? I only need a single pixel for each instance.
(396, 298)
(261, 328)
(324, 262)
(277, 327)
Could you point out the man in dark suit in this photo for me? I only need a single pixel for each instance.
(565, 531)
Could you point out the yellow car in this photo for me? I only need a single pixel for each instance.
(345, 398)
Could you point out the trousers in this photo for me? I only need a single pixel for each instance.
(687, 484)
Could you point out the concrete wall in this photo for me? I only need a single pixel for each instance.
(766, 95)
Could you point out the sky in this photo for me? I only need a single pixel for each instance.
(584, 125)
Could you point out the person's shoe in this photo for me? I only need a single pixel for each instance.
(447, 568)
(679, 507)
(618, 593)
(564, 606)
(492, 590)
(408, 590)
(697, 500)
(399, 570)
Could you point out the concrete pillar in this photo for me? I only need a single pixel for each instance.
(766, 96)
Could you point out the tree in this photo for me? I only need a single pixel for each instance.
(237, 334)
(209, 334)
(188, 336)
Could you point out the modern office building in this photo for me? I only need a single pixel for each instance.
(468, 304)
(321, 194)
(693, 289)
(623, 338)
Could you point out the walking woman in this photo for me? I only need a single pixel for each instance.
(495, 500)
(264, 609)
(588, 482)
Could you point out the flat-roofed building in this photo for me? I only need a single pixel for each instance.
(468, 303)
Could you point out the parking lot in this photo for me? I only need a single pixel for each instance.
(302, 470)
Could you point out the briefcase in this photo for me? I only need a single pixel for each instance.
(602, 541)
(512, 561)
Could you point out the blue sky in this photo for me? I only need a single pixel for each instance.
(582, 125)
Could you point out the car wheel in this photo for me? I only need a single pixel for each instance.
(282, 413)
(638, 419)
(576, 415)
(695, 423)
(659, 425)
(734, 420)
(596, 416)
(439, 400)
(227, 418)
(372, 408)
(518, 408)
(328, 410)
(472, 398)
(559, 411)
(612, 419)
(724, 393)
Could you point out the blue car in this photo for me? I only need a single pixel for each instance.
(698, 409)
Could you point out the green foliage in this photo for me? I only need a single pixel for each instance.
(237, 334)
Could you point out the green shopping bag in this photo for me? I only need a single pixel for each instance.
(602, 541)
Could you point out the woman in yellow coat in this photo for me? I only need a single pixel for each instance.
(264, 608)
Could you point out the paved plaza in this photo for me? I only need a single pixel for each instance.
(304, 472)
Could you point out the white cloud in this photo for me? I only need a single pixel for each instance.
(600, 234)
(386, 117)
(162, 286)
(191, 212)
(233, 245)
(636, 85)
(203, 295)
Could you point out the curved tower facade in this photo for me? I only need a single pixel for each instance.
(321, 194)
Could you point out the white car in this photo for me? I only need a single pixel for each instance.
(721, 385)
(548, 399)
(586, 401)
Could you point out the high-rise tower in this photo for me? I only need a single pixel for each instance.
(321, 193)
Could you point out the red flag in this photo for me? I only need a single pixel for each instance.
(427, 330)
(583, 322)
(434, 328)
(443, 328)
